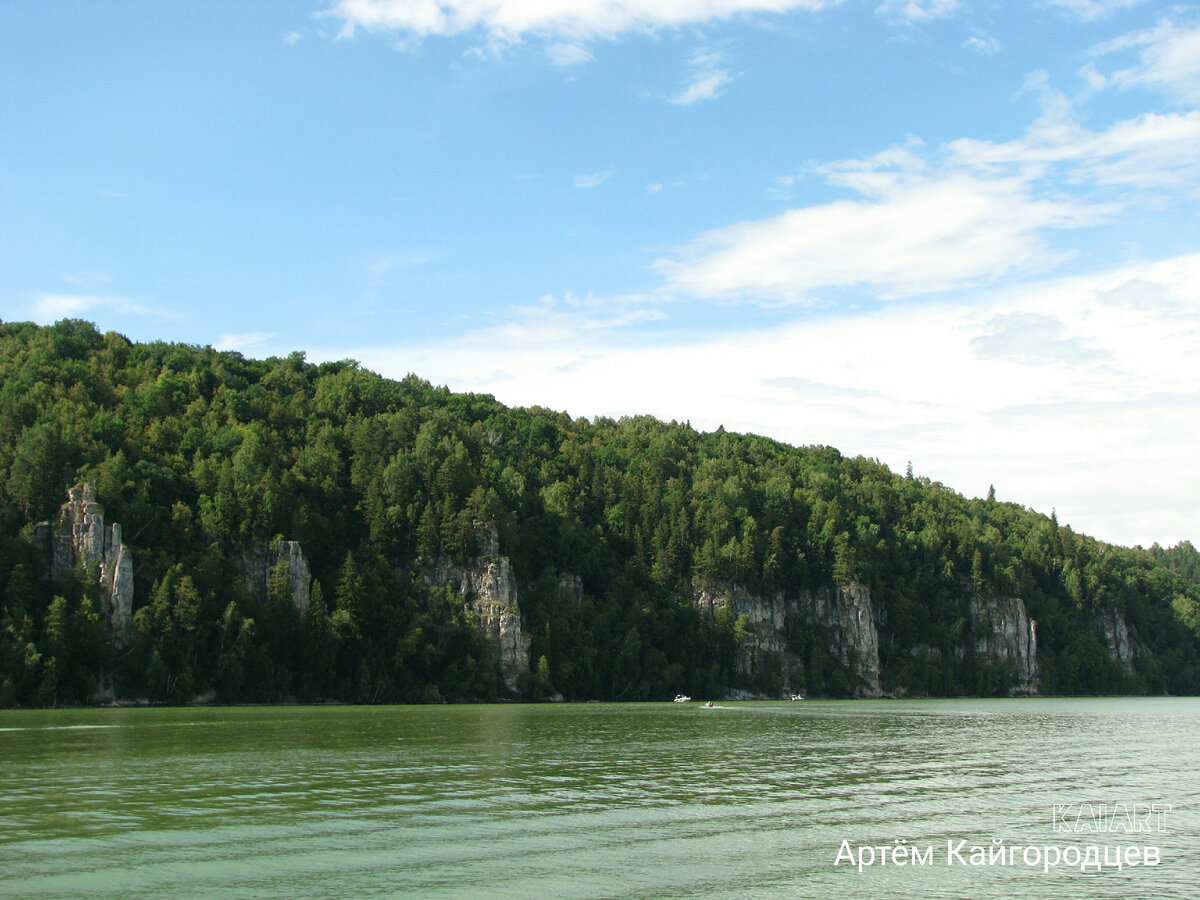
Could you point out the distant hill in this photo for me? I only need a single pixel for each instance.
(296, 531)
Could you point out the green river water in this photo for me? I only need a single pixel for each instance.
(599, 800)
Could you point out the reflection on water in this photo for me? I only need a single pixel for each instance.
(594, 800)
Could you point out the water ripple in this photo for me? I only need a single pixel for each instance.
(621, 801)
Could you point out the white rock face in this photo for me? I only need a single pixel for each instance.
(117, 577)
(850, 615)
(766, 620)
(80, 540)
(1121, 646)
(488, 538)
(571, 586)
(486, 585)
(1004, 632)
(257, 562)
(847, 613)
(298, 573)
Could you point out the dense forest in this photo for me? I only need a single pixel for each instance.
(201, 454)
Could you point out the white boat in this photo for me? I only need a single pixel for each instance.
(797, 696)
(682, 698)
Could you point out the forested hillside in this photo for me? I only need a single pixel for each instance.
(610, 529)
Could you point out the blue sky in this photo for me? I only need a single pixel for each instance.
(958, 232)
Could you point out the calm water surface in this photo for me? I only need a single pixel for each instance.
(593, 800)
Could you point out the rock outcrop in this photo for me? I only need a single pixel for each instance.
(486, 585)
(571, 587)
(1001, 631)
(849, 616)
(766, 621)
(1004, 633)
(845, 614)
(80, 539)
(259, 561)
(1121, 645)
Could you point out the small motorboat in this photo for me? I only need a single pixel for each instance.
(708, 705)
(682, 698)
(797, 696)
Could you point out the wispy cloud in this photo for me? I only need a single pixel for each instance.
(243, 340)
(1152, 151)
(568, 53)
(1090, 10)
(913, 11)
(815, 391)
(706, 77)
(987, 45)
(1168, 60)
(963, 214)
(928, 230)
(706, 86)
(86, 280)
(51, 307)
(576, 364)
(594, 179)
(564, 320)
(508, 21)
(383, 264)
(1035, 338)
(1098, 419)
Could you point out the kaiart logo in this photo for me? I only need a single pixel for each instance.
(1105, 818)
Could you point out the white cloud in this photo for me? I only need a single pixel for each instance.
(1090, 10)
(988, 46)
(1169, 60)
(88, 279)
(243, 340)
(292, 37)
(1034, 338)
(1154, 150)
(913, 11)
(571, 319)
(964, 214)
(52, 307)
(705, 79)
(568, 53)
(704, 86)
(508, 21)
(594, 179)
(1099, 417)
(914, 232)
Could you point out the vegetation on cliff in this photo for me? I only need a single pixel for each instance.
(200, 454)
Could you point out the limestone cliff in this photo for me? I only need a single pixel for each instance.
(1004, 633)
(257, 562)
(571, 587)
(766, 621)
(1122, 647)
(1001, 631)
(80, 539)
(849, 616)
(845, 614)
(486, 585)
